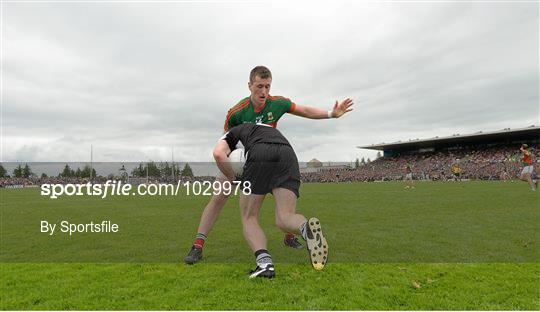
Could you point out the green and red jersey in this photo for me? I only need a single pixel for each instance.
(527, 160)
(244, 112)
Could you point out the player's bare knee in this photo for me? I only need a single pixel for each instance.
(219, 199)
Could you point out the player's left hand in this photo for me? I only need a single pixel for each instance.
(341, 108)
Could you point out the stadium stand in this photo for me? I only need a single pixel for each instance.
(480, 156)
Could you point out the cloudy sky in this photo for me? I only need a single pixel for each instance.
(138, 79)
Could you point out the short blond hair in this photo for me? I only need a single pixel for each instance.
(261, 71)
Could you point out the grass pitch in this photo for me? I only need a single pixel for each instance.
(449, 246)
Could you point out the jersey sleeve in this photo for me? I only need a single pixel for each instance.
(232, 137)
(282, 105)
(287, 104)
(292, 107)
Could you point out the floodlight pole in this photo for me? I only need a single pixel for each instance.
(91, 162)
(172, 161)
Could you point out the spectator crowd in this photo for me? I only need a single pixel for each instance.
(489, 163)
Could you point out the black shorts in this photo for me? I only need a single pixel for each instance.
(270, 166)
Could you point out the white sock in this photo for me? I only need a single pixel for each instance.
(263, 258)
(303, 229)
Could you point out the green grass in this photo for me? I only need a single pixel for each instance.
(449, 246)
(296, 287)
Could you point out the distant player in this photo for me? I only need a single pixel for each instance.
(456, 170)
(504, 175)
(259, 107)
(409, 177)
(528, 168)
(442, 176)
(271, 167)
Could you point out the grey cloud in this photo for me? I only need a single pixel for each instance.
(137, 79)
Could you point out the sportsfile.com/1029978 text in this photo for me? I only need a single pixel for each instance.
(119, 188)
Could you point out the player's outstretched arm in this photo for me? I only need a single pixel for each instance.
(221, 152)
(339, 109)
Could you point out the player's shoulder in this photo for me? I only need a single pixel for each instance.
(235, 111)
(279, 99)
(243, 103)
(240, 106)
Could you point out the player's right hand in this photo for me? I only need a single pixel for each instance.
(341, 108)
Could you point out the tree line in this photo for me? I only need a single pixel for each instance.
(150, 169)
(164, 170)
